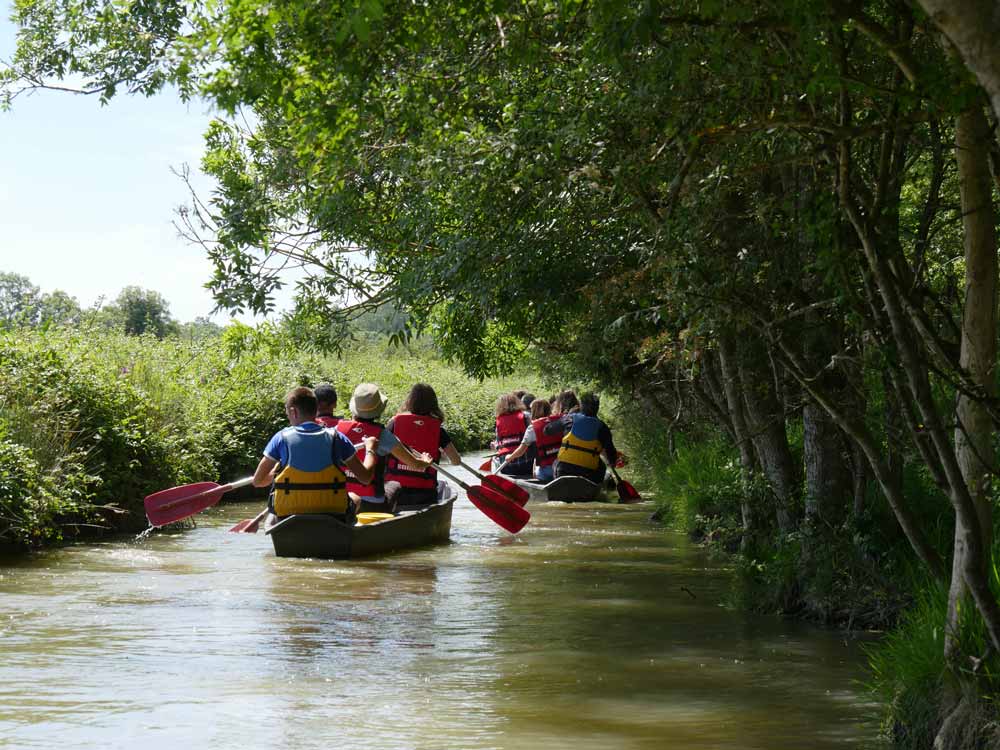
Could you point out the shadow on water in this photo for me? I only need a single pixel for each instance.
(590, 629)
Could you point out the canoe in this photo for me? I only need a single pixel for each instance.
(562, 489)
(326, 537)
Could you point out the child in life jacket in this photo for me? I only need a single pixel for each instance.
(366, 406)
(511, 424)
(418, 424)
(326, 399)
(306, 464)
(584, 439)
(546, 447)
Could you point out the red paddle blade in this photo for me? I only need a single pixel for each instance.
(247, 526)
(501, 510)
(506, 487)
(627, 493)
(621, 461)
(178, 503)
(486, 465)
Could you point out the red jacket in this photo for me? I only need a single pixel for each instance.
(547, 446)
(421, 434)
(357, 431)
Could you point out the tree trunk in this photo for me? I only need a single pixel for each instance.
(828, 481)
(734, 389)
(974, 433)
(973, 27)
(766, 422)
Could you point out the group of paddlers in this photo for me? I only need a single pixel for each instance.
(549, 438)
(323, 463)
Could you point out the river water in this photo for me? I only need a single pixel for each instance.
(592, 629)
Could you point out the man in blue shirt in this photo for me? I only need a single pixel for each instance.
(311, 449)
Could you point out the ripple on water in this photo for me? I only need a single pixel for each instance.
(573, 634)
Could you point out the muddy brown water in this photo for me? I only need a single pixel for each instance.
(576, 634)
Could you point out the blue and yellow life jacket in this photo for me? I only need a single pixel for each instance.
(311, 481)
(581, 446)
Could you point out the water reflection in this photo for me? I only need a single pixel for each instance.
(578, 633)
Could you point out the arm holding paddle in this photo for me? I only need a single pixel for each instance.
(526, 443)
(364, 470)
(409, 457)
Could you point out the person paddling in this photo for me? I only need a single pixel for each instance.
(305, 464)
(545, 446)
(366, 405)
(417, 424)
(584, 438)
(326, 403)
(511, 424)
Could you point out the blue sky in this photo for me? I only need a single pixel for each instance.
(87, 195)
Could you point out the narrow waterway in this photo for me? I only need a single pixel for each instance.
(591, 629)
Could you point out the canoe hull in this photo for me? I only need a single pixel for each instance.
(325, 537)
(563, 489)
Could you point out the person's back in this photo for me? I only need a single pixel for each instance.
(511, 424)
(309, 481)
(584, 439)
(546, 446)
(305, 463)
(419, 426)
(356, 430)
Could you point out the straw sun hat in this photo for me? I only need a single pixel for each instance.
(367, 402)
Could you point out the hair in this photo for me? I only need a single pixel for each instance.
(509, 403)
(326, 394)
(589, 404)
(422, 400)
(540, 408)
(566, 402)
(303, 400)
(527, 399)
(519, 393)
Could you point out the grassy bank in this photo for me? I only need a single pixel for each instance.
(92, 421)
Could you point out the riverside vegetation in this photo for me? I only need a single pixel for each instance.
(92, 420)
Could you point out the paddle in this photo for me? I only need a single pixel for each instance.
(250, 525)
(501, 484)
(626, 492)
(487, 464)
(178, 503)
(496, 506)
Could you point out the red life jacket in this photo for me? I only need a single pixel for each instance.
(421, 434)
(357, 431)
(327, 421)
(510, 432)
(546, 445)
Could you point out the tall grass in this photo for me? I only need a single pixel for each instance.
(915, 683)
(94, 418)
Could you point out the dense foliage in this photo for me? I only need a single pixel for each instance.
(92, 421)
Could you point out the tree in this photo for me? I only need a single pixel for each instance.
(19, 300)
(58, 308)
(138, 311)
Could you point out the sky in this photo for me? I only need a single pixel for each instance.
(87, 196)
